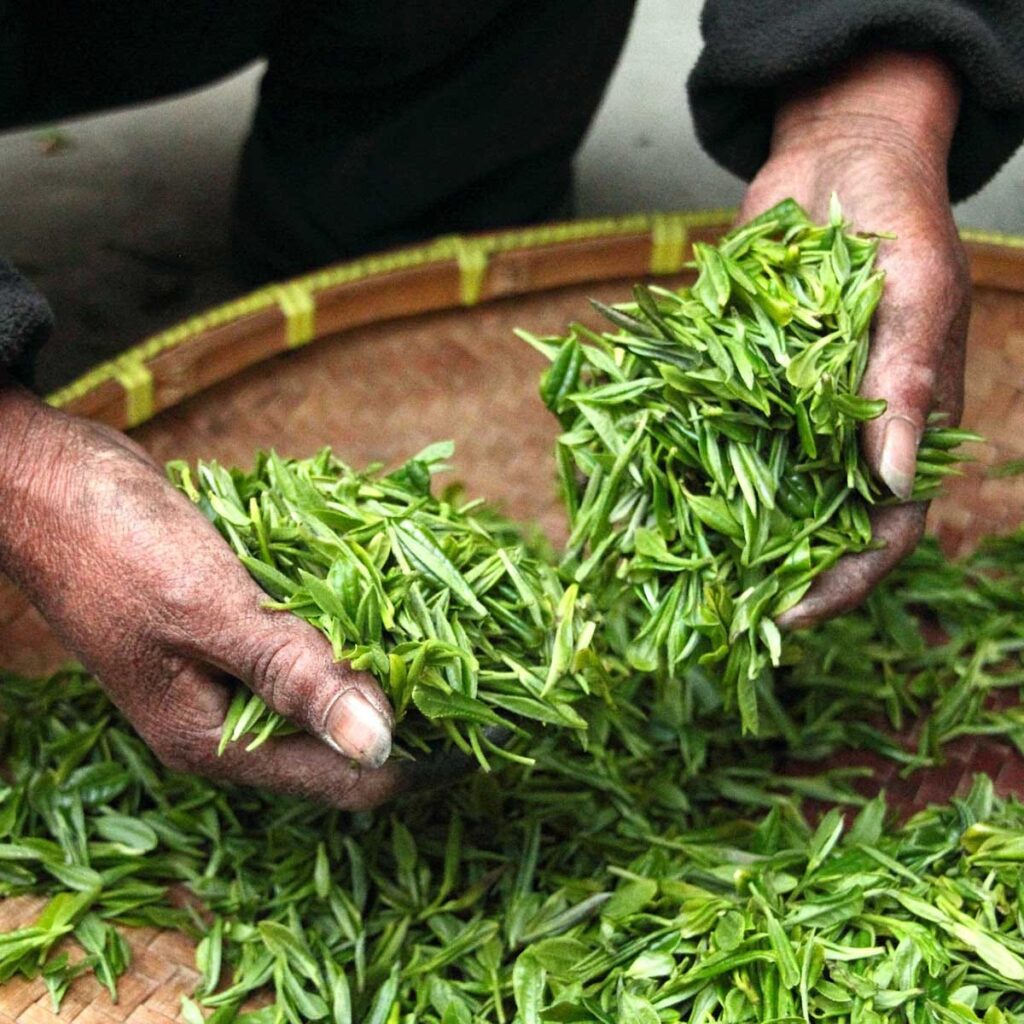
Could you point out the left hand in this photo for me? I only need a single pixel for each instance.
(878, 135)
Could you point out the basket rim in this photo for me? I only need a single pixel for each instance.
(296, 302)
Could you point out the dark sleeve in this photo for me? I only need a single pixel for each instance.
(25, 320)
(753, 47)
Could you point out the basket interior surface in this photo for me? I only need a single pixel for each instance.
(382, 391)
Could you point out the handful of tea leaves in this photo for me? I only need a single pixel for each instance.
(443, 602)
(710, 460)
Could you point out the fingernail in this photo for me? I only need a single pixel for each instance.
(357, 730)
(899, 456)
(800, 615)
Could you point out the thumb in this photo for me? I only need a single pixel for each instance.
(916, 365)
(291, 666)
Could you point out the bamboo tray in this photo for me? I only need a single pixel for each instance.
(379, 357)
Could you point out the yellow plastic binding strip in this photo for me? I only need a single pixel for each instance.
(299, 309)
(669, 234)
(992, 238)
(134, 376)
(299, 301)
(471, 256)
(668, 242)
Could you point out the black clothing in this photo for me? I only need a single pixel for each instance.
(414, 120)
(752, 47)
(377, 123)
(25, 320)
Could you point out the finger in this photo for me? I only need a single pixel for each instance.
(917, 356)
(291, 666)
(302, 766)
(184, 727)
(849, 582)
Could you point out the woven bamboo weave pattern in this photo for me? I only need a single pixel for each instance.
(663, 237)
(150, 993)
(404, 359)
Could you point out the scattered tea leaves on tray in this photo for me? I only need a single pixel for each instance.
(710, 459)
(466, 628)
(665, 873)
(665, 870)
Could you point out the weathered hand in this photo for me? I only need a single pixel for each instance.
(878, 136)
(144, 590)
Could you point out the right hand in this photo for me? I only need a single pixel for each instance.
(877, 132)
(147, 594)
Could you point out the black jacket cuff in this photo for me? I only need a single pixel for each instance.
(25, 321)
(752, 48)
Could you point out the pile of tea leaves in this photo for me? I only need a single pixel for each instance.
(710, 460)
(666, 873)
(662, 871)
(466, 627)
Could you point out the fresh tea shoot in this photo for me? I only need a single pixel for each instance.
(710, 459)
(665, 873)
(525, 897)
(464, 626)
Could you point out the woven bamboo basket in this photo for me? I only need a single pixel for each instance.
(379, 357)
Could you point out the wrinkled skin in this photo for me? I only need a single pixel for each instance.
(878, 135)
(145, 591)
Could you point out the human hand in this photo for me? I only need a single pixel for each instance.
(144, 590)
(878, 135)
